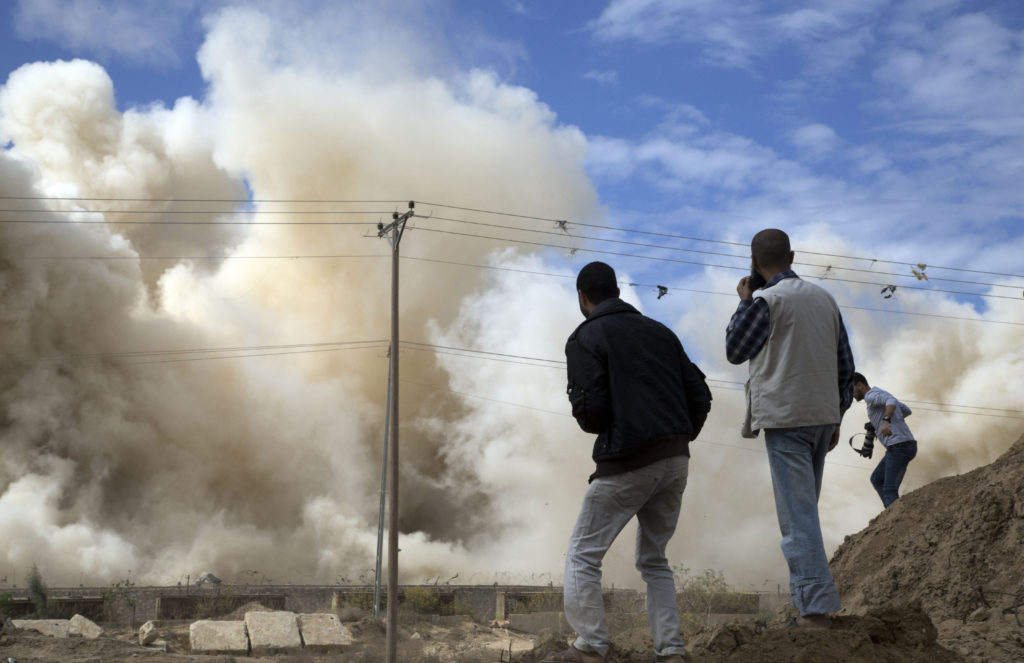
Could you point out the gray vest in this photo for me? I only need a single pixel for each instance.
(794, 379)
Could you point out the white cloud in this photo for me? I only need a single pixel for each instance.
(604, 77)
(815, 140)
(141, 30)
(959, 73)
(737, 34)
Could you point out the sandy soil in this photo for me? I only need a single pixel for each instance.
(936, 578)
(417, 642)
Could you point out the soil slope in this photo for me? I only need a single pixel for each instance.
(957, 546)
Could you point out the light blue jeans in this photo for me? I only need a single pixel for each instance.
(653, 494)
(796, 457)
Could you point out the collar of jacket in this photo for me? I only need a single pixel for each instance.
(609, 307)
(786, 274)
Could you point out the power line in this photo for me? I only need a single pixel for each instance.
(261, 350)
(692, 262)
(441, 218)
(553, 363)
(330, 346)
(702, 441)
(719, 253)
(189, 223)
(330, 256)
(698, 290)
(463, 264)
(241, 201)
(161, 212)
(701, 239)
(237, 201)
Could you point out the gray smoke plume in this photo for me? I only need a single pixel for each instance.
(115, 459)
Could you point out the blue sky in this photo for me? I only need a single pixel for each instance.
(830, 110)
(881, 135)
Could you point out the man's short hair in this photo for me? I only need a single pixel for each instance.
(858, 378)
(770, 248)
(597, 281)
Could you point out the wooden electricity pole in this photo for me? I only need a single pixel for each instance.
(393, 231)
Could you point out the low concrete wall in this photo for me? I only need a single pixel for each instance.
(483, 604)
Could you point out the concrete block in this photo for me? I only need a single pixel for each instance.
(273, 632)
(55, 628)
(148, 633)
(323, 631)
(535, 622)
(85, 627)
(218, 637)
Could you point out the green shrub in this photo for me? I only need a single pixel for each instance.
(698, 596)
(37, 593)
(422, 600)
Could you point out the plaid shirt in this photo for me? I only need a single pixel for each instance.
(748, 331)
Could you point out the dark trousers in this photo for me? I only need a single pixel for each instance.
(888, 476)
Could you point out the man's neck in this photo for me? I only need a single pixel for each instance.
(769, 274)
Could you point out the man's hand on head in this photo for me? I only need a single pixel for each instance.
(743, 289)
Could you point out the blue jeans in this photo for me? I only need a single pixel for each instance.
(888, 476)
(653, 494)
(796, 457)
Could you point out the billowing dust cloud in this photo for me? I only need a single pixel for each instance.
(118, 456)
(256, 468)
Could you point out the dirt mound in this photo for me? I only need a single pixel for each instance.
(957, 547)
(901, 634)
(886, 635)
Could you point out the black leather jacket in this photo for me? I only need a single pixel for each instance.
(631, 382)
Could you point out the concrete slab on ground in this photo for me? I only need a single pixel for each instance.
(55, 628)
(85, 627)
(273, 632)
(535, 622)
(218, 637)
(148, 633)
(323, 631)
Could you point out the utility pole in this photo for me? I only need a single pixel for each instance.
(393, 231)
(383, 498)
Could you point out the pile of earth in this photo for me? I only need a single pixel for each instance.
(938, 577)
(956, 546)
(901, 634)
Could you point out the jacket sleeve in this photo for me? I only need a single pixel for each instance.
(588, 386)
(698, 395)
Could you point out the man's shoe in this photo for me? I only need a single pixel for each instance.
(573, 655)
(674, 658)
(810, 622)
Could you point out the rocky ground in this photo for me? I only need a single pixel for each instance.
(937, 578)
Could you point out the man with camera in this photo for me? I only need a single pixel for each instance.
(887, 417)
(801, 383)
(632, 384)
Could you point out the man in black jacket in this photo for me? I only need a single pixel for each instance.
(631, 383)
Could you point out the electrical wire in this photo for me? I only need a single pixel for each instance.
(699, 440)
(330, 346)
(697, 290)
(697, 239)
(702, 264)
(601, 227)
(236, 201)
(719, 253)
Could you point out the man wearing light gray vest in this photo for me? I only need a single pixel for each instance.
(800, 385)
